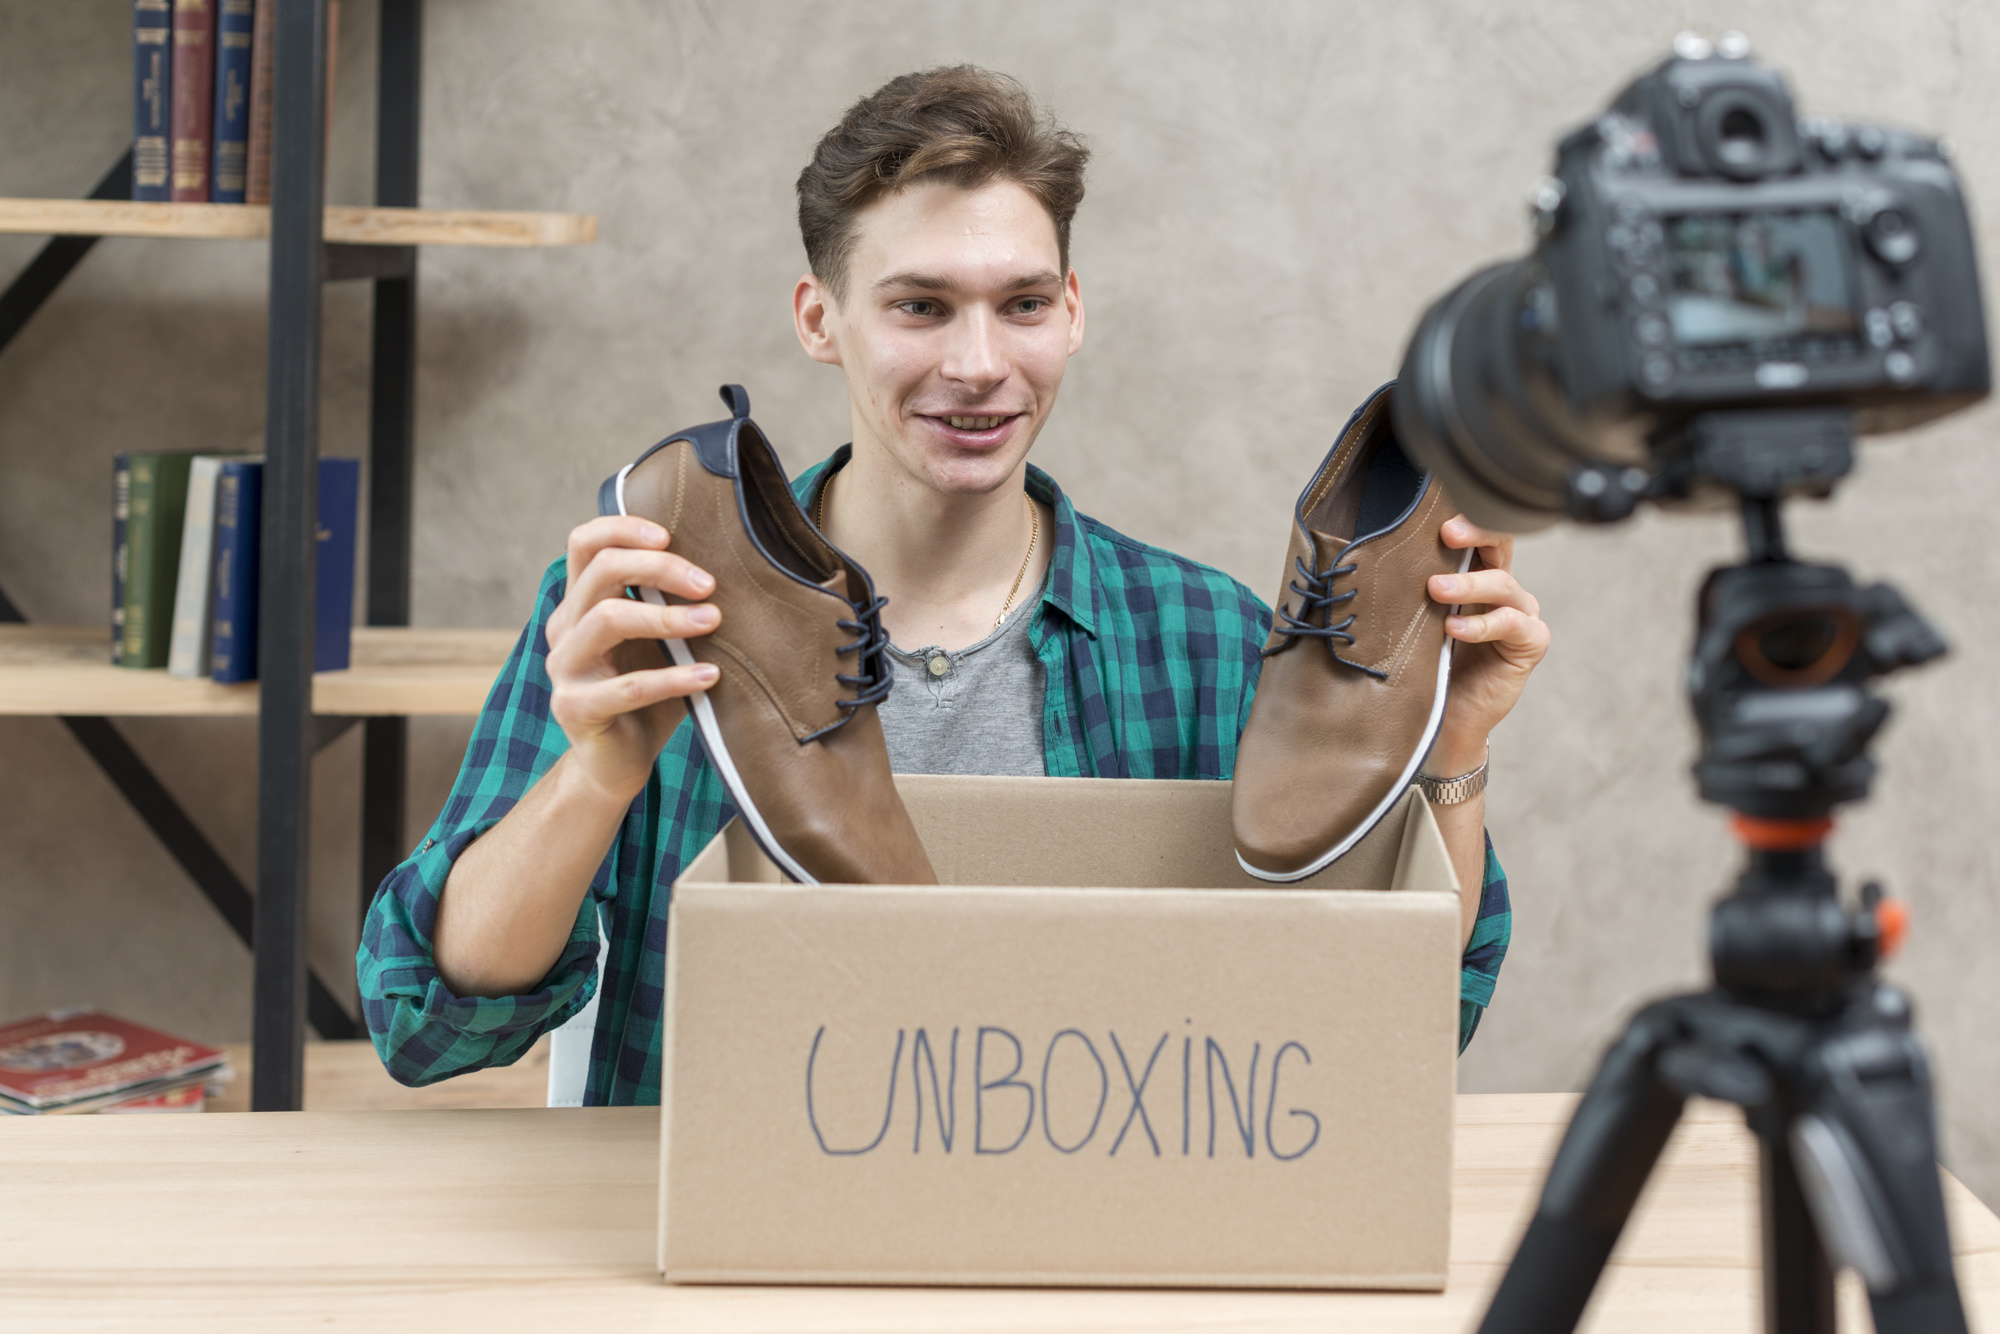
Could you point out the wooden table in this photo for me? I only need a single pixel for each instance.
(543, 1220)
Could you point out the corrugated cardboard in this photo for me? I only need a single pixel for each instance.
(1100, 1054)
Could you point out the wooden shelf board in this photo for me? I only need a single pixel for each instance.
(54, 669)
(249, 222)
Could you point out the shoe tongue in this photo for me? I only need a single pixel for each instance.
(837, 584)
(1326, 546)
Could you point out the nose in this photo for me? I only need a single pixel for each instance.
(976, 360)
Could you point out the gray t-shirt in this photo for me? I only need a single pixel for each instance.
(976, 711)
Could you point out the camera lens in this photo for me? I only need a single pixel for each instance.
(1477, 402)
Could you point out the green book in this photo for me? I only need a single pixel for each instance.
(156, 510)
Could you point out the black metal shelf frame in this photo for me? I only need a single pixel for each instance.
(287, 993)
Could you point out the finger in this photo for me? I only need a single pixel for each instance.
(610, 530)
(589, 705)
(1496, 549)
(584, 650)
(1513, 631)
(1495, 587)
(614, 569)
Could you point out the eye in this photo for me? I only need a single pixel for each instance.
(920, 308)
(1031, 305)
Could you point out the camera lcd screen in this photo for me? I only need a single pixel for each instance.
(1758, 278)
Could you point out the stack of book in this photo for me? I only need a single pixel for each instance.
(184, 562)
(201, 86)
(84, 1061)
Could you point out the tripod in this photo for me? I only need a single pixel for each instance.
(1797, 1030)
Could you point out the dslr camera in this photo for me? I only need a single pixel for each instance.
(1721, 295)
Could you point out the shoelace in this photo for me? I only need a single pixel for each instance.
(872, 683)
(1317, 592)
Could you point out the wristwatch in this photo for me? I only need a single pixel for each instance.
(1451, 791)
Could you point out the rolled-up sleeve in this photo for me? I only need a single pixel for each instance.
(422, 1031)
(1479, 969)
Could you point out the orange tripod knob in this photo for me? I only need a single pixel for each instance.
(1892, 922)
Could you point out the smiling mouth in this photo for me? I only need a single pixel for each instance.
(978, 423)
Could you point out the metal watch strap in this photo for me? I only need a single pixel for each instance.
(1451, 791)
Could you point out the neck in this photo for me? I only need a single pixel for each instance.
(946, 562)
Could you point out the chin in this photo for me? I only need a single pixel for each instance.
(973, 475)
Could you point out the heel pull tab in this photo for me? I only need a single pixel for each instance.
(738, 399)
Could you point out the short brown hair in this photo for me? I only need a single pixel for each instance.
(958, 124)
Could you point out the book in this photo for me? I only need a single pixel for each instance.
(333, 564)
(152, 97)
(186, 1098)
(230, 157)
(263, 64)
(83, 1060)
(187, 650)
(239, 493)
(157, 506)
(238, 532)
(194, 98)
(121, 510)
(263, 59)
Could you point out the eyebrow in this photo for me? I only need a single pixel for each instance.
(912, 280)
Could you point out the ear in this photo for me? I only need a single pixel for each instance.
(814, 317)
(1073, 301)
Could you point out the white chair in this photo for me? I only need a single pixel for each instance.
(569, 1046)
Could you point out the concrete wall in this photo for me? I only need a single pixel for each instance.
(1277, 190)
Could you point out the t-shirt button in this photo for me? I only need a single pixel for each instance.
(940, 664)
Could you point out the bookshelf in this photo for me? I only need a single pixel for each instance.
(252, 222)
(397, 671)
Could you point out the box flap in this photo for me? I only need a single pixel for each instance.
(1112, 833)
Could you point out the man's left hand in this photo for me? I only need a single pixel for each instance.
(1501, 637)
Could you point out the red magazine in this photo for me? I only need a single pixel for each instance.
(66, 1057)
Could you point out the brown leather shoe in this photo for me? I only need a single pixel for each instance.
(1357, 662)
(791, 722)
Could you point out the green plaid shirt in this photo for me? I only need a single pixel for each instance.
(1151, 662)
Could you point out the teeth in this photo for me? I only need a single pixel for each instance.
(975, 423)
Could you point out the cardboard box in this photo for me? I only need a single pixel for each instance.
(1064, 1067)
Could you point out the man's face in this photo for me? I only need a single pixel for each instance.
(954, 332)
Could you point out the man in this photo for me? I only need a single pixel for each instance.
(1026, 637)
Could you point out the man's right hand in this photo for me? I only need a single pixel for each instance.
(611, 701)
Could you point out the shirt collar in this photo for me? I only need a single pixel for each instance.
(1069, 585)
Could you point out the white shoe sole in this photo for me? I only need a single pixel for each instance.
(1388, 803)
(711, 738)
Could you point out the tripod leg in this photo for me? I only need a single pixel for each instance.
(1867, 1154)
(1609, 1149)
(1798, 1278)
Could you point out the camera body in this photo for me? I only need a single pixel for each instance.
(1699, 249)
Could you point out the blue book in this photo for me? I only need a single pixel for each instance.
(231, 156)
(152, 98)
(238, 528)
(239, 494)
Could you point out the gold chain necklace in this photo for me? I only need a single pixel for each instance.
(1034, 536)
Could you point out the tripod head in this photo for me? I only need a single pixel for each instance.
(1779, 679)
(1784, 650)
